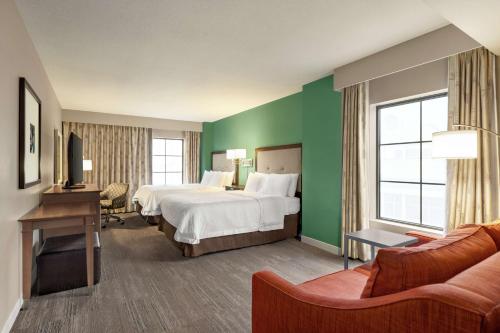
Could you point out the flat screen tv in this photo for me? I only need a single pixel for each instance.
(75, 162)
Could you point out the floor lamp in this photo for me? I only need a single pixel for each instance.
(458, 145)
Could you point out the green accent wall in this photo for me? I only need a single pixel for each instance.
(276, 123)
(311, 117)
(206, 147)
(322, 162)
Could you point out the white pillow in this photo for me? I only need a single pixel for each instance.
(294, 178)
(275, 184)
(217, 179)
(228, 179)
(253, 183)
(205, 180)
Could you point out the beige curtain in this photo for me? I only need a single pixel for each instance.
(119, 154)
(473, 185)
(355, 115)
(191, 156)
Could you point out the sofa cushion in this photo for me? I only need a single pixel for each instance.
(398, 269)
(365, 268)
(493, 229)
(343, 284)
(482, 278)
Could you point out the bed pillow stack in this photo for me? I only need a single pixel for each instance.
(217, 178)
(274, 184)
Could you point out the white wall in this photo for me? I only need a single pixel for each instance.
(124, 120)
(19, 58)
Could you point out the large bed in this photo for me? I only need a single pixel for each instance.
(147, 199)
(200, 223)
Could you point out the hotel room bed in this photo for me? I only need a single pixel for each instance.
(200, 223)
(148, 197)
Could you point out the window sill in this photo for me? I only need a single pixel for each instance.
(401, 228)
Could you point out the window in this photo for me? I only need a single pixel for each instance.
(167, 161)
(411, 186)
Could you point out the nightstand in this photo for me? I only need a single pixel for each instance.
(235, 188)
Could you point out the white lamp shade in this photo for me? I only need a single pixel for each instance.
(232, 154)
(87, 165)
(454, 145)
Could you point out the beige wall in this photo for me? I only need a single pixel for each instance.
(424, 49)
(411, 82)
(19, 58)
(123, 120)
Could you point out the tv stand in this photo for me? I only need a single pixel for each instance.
(59, 195)
(73, 187)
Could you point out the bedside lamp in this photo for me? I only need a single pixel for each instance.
(236, 155)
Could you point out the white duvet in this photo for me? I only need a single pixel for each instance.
(199, 215)
(150, 196)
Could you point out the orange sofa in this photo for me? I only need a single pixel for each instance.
(450, 284)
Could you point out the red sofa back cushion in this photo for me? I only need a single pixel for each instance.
(398, 269)
(493, 229)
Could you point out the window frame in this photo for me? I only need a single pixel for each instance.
(166, 155)
(420, 142)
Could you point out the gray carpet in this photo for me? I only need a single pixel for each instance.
(147, 286)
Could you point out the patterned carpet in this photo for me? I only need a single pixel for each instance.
(147, 286)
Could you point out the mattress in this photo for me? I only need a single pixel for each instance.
(150, 196)
(199, 215)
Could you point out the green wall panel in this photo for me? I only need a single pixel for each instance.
(206, 147)
(322, 162)
(275, 123)
(312, 117)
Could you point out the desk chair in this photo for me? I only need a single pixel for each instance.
(113, 198)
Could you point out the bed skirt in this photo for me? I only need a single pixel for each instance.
(231, 242)
(153, 220)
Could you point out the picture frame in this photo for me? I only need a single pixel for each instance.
(30, 141)
(58, 159)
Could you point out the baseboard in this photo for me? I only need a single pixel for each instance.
(7, 326)
(321, 245)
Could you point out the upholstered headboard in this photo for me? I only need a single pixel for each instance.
(220, 162)
(280, 159)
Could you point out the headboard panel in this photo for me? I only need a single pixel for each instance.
(280, 159)
(220, 162)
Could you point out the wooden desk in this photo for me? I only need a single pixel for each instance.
(58, 195)
(52, 216)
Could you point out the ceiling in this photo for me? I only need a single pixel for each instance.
(479, 19)
(204, 60)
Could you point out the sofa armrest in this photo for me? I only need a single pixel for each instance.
(279, 306)
(422, 237)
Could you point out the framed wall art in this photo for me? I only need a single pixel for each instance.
(30, 114)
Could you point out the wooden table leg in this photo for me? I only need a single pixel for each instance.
(27, 262)
(89, 233)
